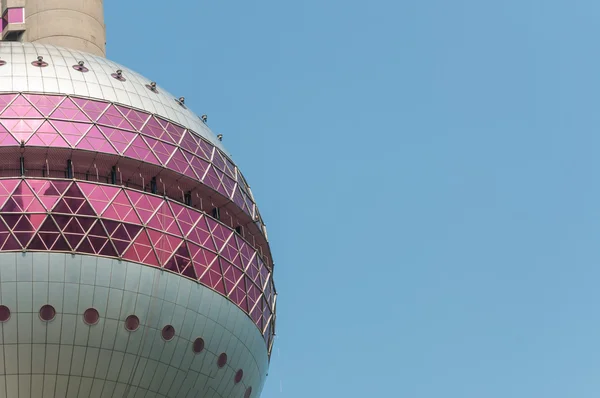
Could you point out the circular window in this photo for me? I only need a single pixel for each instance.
(47, 313)
(238, 376)
(132, 323)
(168, 332)
(198, 345)
(91, 316)
(222, 360)
(248, 392)
(4, 313)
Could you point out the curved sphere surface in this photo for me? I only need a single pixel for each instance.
(133, 259)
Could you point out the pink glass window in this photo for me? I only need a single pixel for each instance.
(15, 15)
(47, 313)
(168, 333)
(4, 313)
(91, 316)
(132, 323)
(198, 345)
(239, 375)
(248, 392)
(222, 360)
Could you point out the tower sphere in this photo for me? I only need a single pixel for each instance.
(133, 259)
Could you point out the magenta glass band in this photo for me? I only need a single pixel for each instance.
(118, 222)
(81, 123)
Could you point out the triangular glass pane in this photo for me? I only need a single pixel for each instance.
(11, 243)
(180, 164)
(205, 149)
(201, 235)
(189, 142)
(67, 110)
(92, 108)
(153, 129)
(6, 189)
(185, 216)
(99, 195)
(6, 139)
(141, 251)
(211, 178)
(121, 209)
(37, 244)
(135, 117)
(213, 278)
(120, 139)
(72, 131)
(201, 258)
(164, 245)
(22, 109)
(174, 132)
(113, 118)
(198, 165)
(22, 129)
(231, 275)
(139, 149)
(6, 99)
(164, 220)
(145, 205)
(46, 136)
(84, 246)
(44, 103)
(95, 141)
(162, 150)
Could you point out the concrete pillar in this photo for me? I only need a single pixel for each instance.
(76, 24)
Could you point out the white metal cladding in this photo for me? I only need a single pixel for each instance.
(59, 77)
(67, 358)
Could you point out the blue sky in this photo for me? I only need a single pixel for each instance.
(428, 171)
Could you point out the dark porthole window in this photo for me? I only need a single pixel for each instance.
(4, 313)
(248, 392)
(198, 345)
(222, 361)
(132, 323)
(91, 316)
(239, 375)
(168, 332)
(47, 313)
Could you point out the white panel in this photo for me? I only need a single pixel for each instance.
(104, 359)
(127, 368)
(49, 386)
(11, 359)
(51, 360)
(70, 302)
(109, 333)
(12, 385)
(115, 298)
(62, 383)
(77, 361)
(24, 326)
(38, 358)
(37, 385)
(73, 388)
(64, 359)
(115, 367)
(91, 358)
(24, 386)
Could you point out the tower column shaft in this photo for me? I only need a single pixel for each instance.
(76, 24)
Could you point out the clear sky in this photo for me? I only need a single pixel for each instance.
(429, 174)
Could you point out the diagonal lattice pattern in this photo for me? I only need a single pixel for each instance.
(62, 121)
(107, 220)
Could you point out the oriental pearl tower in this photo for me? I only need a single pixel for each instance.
(133, 259)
